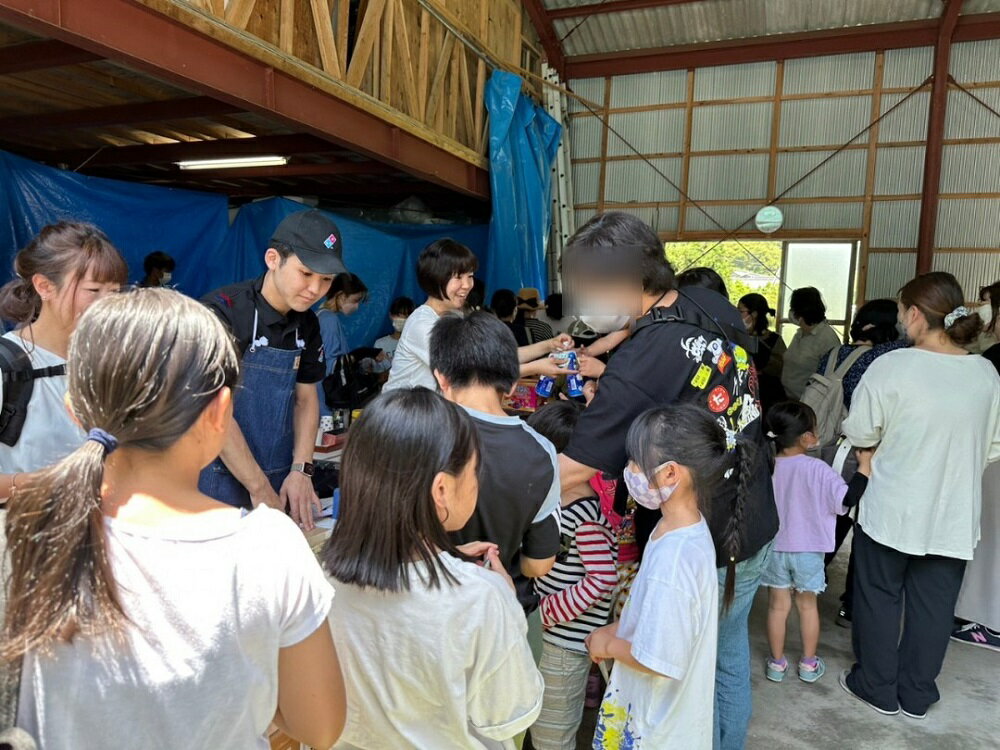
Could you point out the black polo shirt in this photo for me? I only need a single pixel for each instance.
(236, 304)
(669, 363)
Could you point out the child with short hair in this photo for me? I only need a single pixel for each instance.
(575, 594)
(475, 362)
(809, 495)
(662, 689)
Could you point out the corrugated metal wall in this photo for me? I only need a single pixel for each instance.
(754, 130)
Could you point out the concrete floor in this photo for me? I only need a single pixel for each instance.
(792, 715)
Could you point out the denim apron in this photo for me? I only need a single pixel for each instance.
(263, 407)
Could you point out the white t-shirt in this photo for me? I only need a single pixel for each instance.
(388, 344)
(411, 364)
(447, 668)
(671, 619)
(936, 421)
(211, 602)
(49, 434)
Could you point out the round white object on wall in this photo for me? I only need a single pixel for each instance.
(769, 219)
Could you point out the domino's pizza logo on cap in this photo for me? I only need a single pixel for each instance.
(330, 241)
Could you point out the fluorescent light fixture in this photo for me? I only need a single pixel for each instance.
(237, 162)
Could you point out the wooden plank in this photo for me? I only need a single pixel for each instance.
(386, 53)
(772, 159)
(686, 159)
(602, 174)
(238, 12)
(324, 35)
(406, 61)
(286, 26)
(343, 22)
(453, 89)
(439, 74)
(479, 103)
(866, 219)
(423, 70)
(466, 94)
(365, 42)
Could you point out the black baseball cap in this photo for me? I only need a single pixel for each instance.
(315, 239)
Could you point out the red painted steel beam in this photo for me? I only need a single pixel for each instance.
(148, 41)
(47, 53)
(161, 153)
(935, 137)
(542, 22)
(612, 6)
(119, 114)
(781, 47)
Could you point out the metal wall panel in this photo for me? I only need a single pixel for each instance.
(585, 183)
(907, 67)
(731, 217)
(734, 81)
(585, 137)
(967, 118)
(829, 73)
(899, 171)
(906, 123)
(823, 215)
(636, 181)
(657, 132)
(894, 224)
(591, 89)
(582, 216)
(973, 270)
(649, 88)
(964, 168)
(824, 122)
(968, 223)
(844, 174)
(660, 218)
(729, 177)
(887, 272)
(731, 126)
(976, 61)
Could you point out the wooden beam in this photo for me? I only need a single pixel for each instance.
(172, 43)
(323, 23)
(878, 78)
(935, 137)
(781, 47)
(48, 53)
(612, 6)
(119, 114)
(542, 22)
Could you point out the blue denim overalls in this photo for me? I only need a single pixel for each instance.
(263, 407)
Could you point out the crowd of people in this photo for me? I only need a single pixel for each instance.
(485, 570)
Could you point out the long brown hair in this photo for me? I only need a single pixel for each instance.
(142, 366)
(937, 295)
(62, 253)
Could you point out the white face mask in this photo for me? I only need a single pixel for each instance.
(605, 323)
(397, 324)
(642, 492)
(166, 278)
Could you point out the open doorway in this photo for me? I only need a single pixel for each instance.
(745, 267)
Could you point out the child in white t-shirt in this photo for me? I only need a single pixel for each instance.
(662, 690)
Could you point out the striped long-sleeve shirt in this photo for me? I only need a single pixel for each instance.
(576, 593)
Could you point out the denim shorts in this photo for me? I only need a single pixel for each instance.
(802, 571)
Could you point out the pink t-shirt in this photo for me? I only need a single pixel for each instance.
(810, 496)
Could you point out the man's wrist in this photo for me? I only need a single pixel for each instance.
(303, 467)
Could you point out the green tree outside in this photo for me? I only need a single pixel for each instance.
(728, 259)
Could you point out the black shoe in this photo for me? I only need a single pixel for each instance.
(844, 617)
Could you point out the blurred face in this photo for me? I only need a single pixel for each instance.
(457, 292)
(910, 322)
(456, 496)
(346, 304)
(297, 286)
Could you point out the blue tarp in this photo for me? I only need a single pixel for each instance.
(523, 145)
(188, 225)
(383, 255)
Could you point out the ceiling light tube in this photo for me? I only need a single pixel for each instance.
(236, 162)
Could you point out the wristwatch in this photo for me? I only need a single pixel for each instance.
(307, 469)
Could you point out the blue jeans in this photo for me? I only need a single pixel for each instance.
(733, 704)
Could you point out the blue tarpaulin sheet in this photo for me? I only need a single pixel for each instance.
(383, 255)
(188, 225)
(523, 145)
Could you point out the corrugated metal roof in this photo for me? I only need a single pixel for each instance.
(968, 223)
(645, 88)
(887, 272)
(824, 122)
(973, 270)
(728, 177)
(734, 81)
(731, 126)
(585, 137)
(823, 215)
(714, 20)
(894, 224)
(656, 132)
(899, 171)
(844, 174)
(906, 123)
(967, 118)
(636, 181)
(813, 75)
(962, 170)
